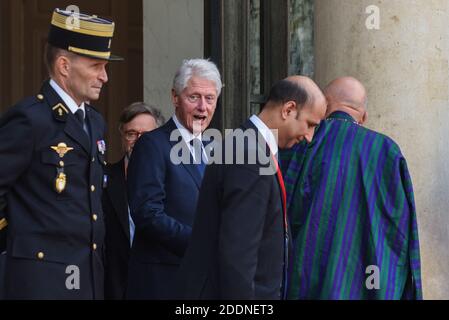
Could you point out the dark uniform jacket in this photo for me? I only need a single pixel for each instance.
(115, 206)
(53, 239)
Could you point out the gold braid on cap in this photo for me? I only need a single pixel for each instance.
(81, 23)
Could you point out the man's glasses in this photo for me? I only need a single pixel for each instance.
(132, 135)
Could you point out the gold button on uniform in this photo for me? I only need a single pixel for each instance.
(40, 97)
(61, 164)
(93, 159)
(40, 255)
(94, 246)
(94, 217)
(92, 188)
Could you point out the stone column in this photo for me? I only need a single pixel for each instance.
(173, 31)
(404, 66)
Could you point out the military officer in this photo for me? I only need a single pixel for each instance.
(52, 154)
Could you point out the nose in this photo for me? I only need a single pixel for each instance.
(201, 104)
(103, 77)
(309, 136)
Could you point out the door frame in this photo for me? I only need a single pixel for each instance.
(227, 44)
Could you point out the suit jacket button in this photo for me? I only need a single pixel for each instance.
(93, 159)
(40, 255)
(92, 188)
(94, 246)
(94, 217)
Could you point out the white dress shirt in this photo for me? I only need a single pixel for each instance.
(266, 133)
(66, 98)
(188, 136)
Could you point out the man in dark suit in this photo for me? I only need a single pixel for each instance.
(52, 155)
(135, 120)
(2, 248)
(163, 193)
(239, 243)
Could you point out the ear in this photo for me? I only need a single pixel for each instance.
(328, 108)
(62, 66)
(174, 98)
(364, 117)
(288, 109)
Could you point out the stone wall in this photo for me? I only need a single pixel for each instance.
(173, 31)
(404, 66)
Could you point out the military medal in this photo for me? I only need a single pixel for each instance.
(62, 149)
(61, 178)
(105, 181)
(101, 146)
(60, 182)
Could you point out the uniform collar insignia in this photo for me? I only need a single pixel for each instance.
(60, 111)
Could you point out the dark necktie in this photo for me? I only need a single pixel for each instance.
(198, 153)
(80, 116)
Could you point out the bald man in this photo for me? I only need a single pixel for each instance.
(239, 244)
(351, 208)
(348, 95)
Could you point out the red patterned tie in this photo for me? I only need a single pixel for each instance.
(283, 191)
(286, 237)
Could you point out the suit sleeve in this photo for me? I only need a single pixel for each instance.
(104, 196)
(244, 204)
(107, 211)
(146, 196)
(3, 225)
(16, 147)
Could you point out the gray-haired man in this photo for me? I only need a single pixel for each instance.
(163, 194)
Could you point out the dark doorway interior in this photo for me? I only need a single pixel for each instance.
(248, 39)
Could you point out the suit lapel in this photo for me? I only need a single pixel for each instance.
(76, 132)
(193, 171)
(117, 194)
(63, 114)
(264, 147)
(259, 137)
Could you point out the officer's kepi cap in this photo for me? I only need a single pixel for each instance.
(83, 34)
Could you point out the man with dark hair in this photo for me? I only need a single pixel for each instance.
(135, 120)
(52, 154)
(51, 54)
(239, 244)
(350, 201)
(285, 90)
(137, 108)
